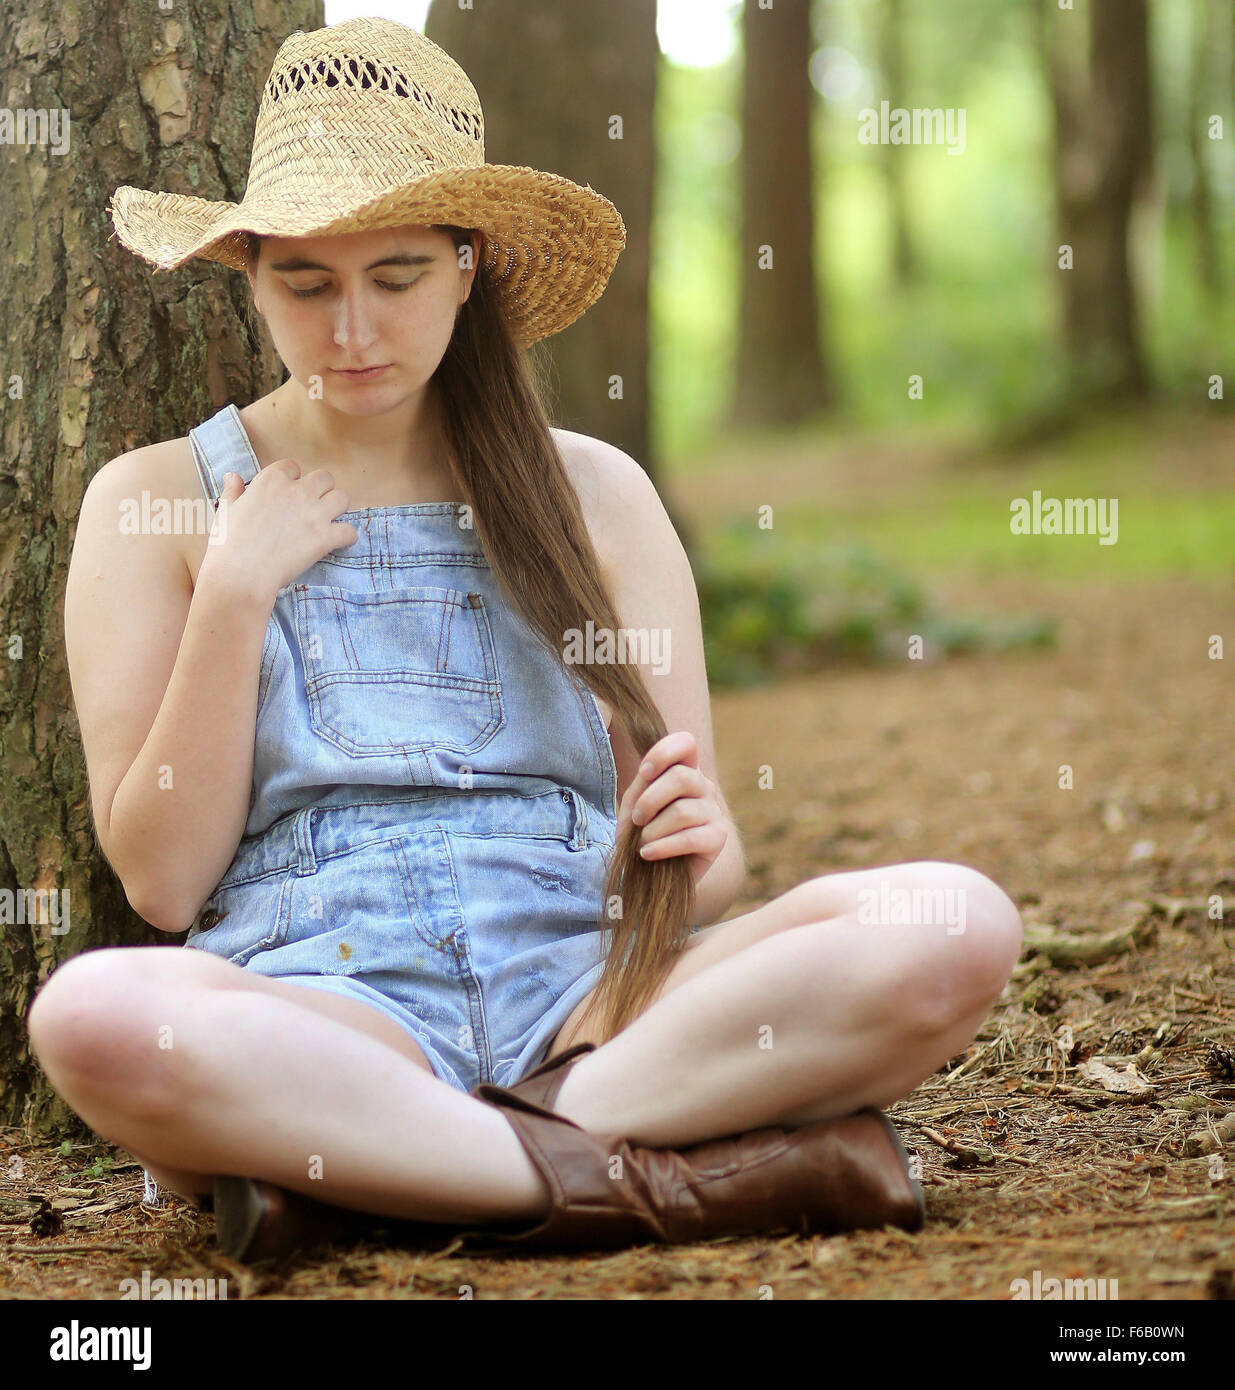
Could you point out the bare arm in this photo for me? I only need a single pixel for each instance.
(650, 579)
(165, 683)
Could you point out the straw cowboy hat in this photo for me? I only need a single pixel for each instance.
(369, 124)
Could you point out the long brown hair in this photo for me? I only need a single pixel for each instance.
(508, 469)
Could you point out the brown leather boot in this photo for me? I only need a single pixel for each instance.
(259, 1220)
(850, 1173)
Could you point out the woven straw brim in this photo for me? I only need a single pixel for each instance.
(550, 244)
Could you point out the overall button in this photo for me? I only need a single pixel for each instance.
(211, 918)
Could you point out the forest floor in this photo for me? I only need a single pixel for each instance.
(1029, 1162)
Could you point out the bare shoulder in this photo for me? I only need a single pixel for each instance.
(145, 479)
(616, 494)
(603, 471)
(164, 471)
(644, 561)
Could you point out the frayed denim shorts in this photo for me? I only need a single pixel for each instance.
(471, 918)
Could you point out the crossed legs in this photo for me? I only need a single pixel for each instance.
(802, 1009)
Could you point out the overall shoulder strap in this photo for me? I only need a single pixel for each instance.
(220, 445)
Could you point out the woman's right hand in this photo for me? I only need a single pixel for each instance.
(266, 534)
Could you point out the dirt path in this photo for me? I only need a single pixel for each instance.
(961, 761)
(957, 761)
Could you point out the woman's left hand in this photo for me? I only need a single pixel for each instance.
(679, 809)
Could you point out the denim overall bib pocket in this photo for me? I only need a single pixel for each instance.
(433, 805)
(369, 657)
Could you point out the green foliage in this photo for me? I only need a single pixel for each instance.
(982, 322)
(848, 605)
(100, 1168)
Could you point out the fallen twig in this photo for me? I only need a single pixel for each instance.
(1097, 1098)
(1212, 1138)
(964, 1152)
(66, 1249)
(969, 1062)
(16, 1203)
(1089, 948)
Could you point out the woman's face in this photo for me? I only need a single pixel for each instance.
(385, 299)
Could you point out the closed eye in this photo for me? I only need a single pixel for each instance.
(308, 294)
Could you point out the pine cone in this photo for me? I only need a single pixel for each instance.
(1220, 1062)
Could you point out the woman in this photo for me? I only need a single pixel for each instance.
(346, 740)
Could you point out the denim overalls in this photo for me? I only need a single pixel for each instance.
(434, 794)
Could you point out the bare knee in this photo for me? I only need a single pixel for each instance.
(974, 933)
(951, 935)
(990, 932)
(91, 1026)
(62, 1000)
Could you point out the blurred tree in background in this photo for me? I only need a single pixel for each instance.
(1103, 162)
(1093, 126)
(892, 64)
(781, 376)
(571, 88)
(1204, 99)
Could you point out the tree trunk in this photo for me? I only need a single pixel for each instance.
(101, 356)
(570, 87)
(1102, 165)
(1202, 103)
(892, 63)
(781, 377)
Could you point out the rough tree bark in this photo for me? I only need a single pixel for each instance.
(108, 355)
(571, 88)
